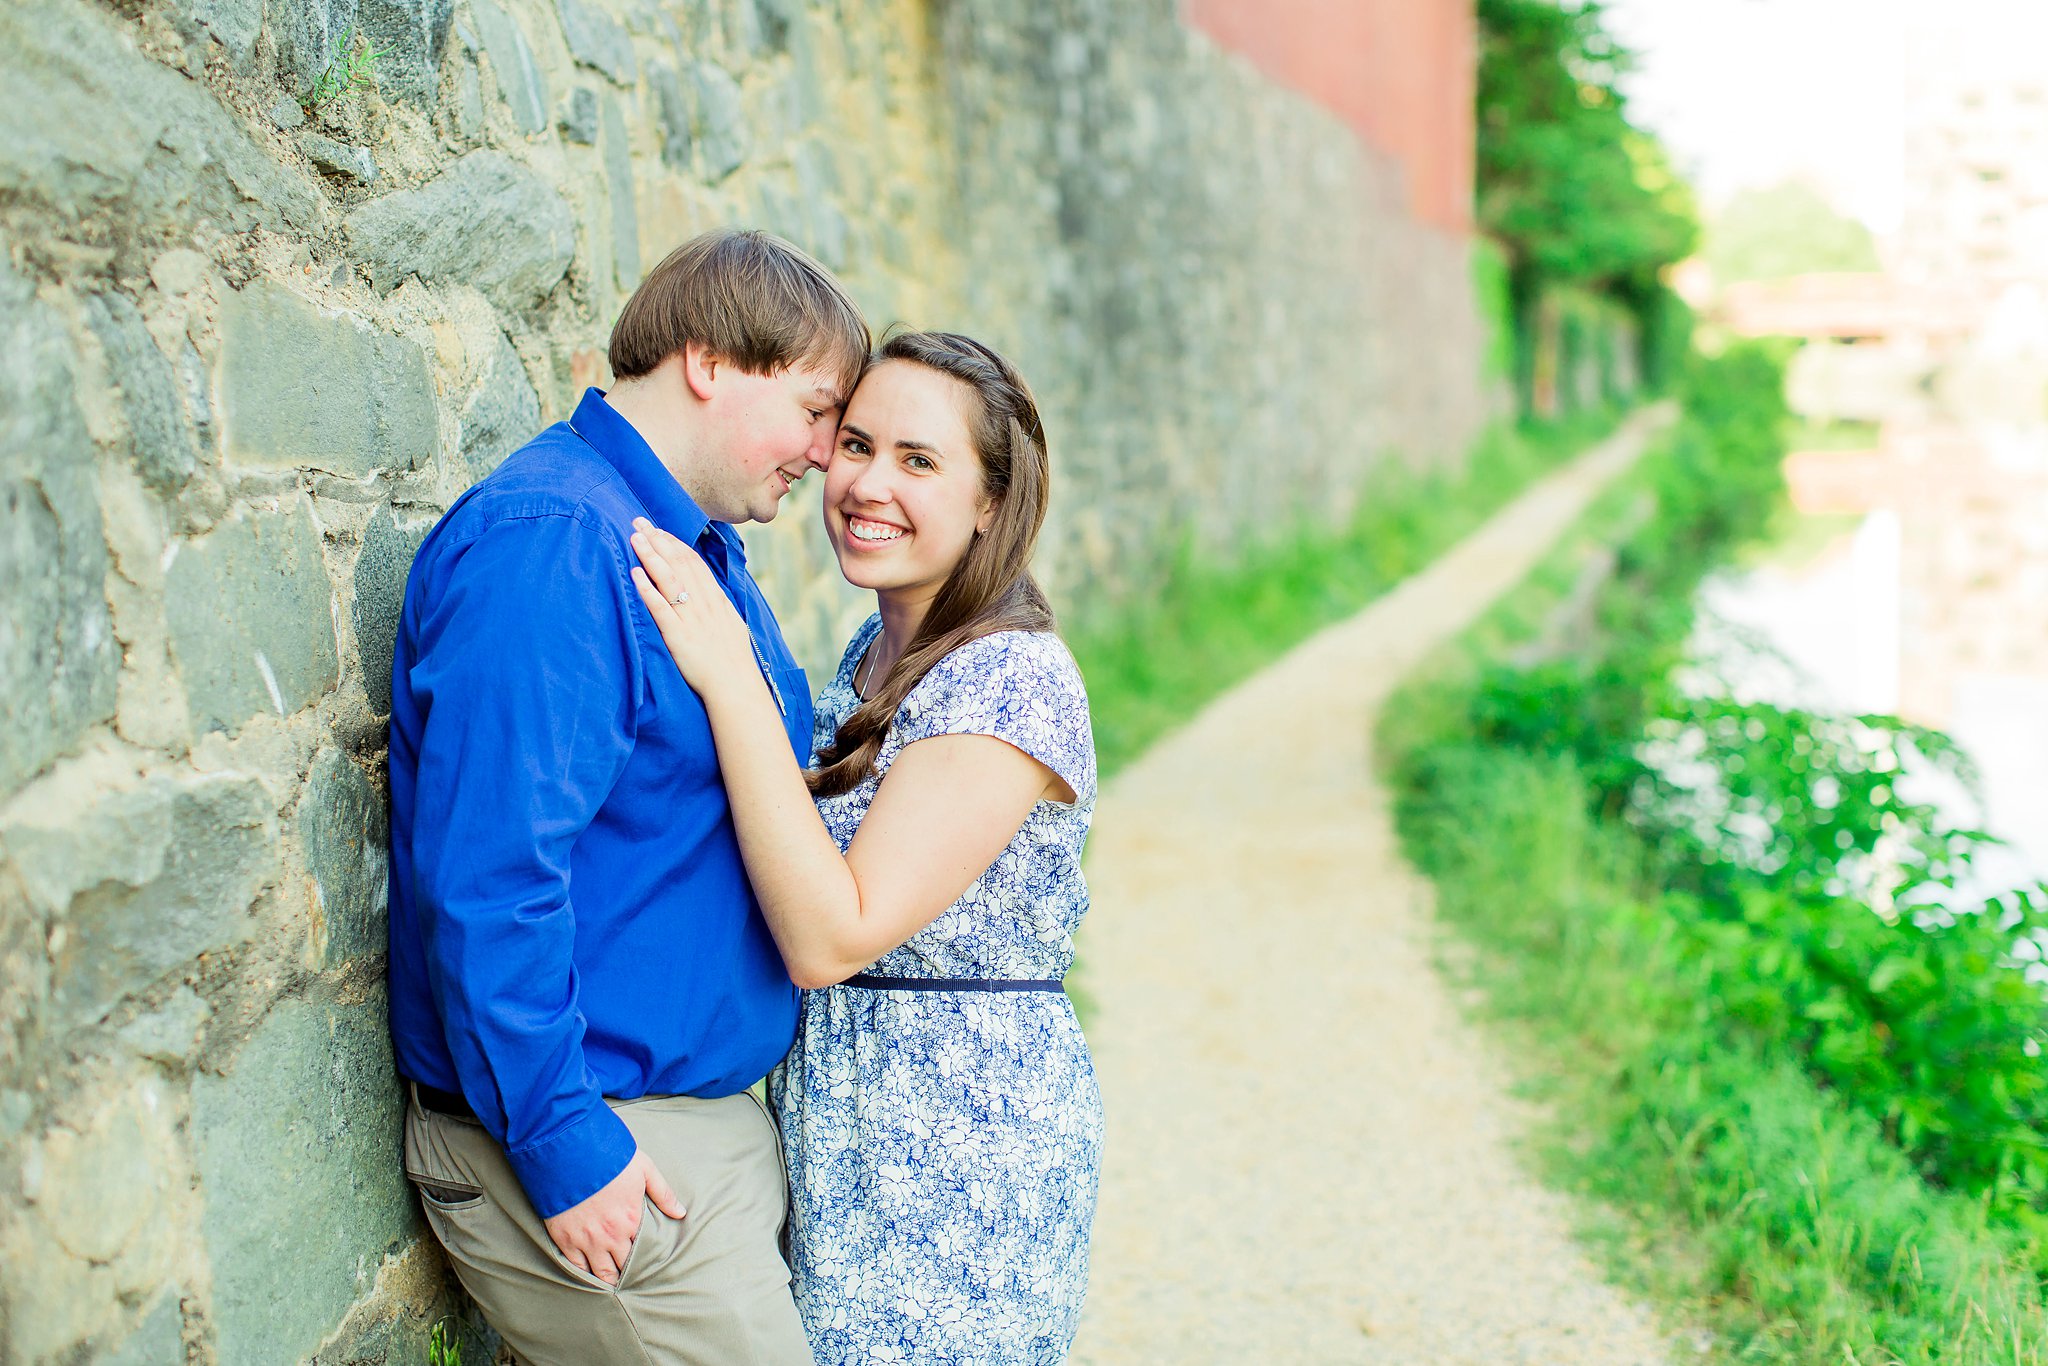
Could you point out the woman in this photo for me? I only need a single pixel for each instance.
(923, 880)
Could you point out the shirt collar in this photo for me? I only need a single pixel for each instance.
(625, 450)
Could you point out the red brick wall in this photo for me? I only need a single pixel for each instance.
(1399, 71)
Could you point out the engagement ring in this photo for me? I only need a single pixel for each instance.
(680, 598)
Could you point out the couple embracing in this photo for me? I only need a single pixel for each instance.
(636, 867)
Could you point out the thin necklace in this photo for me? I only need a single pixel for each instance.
(867, 661)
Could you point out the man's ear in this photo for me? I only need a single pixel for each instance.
(701, 368)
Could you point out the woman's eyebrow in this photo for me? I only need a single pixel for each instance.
(903, 444)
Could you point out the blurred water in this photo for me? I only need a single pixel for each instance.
(1917, 584)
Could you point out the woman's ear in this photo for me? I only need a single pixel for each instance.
(987, 518)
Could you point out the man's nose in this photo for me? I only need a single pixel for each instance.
(819, 453)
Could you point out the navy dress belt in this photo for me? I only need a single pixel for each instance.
(874, 983)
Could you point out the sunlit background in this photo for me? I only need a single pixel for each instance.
(1873, 179)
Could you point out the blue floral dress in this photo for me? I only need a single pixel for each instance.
(944, 1146)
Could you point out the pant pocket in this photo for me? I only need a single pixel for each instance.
(450, 1197)
(783, 1231)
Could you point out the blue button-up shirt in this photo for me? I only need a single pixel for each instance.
(570, 919)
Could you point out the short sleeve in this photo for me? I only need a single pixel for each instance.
(1023, 688)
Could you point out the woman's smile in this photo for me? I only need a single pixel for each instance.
(871, 532)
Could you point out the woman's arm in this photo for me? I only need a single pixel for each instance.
(948, 806)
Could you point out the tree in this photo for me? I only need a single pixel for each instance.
(1785, 229)
(1575, 194)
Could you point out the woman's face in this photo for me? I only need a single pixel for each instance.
(903, 494)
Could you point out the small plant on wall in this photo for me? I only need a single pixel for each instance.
(444, 1344)
(351, 67)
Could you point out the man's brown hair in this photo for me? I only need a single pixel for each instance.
(748, 297)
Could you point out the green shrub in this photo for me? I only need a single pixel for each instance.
(1742, 939)
(1152, 663)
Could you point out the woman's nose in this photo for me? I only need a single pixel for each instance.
(871, 485)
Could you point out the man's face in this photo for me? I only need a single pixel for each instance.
(768, 432)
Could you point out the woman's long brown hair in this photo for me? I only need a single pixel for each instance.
(991, 589)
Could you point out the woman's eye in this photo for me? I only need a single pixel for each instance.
(853, 445)
(920, 462)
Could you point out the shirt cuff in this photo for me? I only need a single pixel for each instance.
(576, 1163)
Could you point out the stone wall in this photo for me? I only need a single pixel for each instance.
(250, 351)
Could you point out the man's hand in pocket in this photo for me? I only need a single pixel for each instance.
(598, 1234)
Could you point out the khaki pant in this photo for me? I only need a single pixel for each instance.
(710, 1289)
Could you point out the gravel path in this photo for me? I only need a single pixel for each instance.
(1310, 1153)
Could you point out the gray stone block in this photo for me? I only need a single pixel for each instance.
(160, 435)
(578, 116)
(618, 173)
(381, 567)
(180, 271)
(721, 121)
(94, 132)
(302, 388)
(597, 40)
(143, 880)
(807, 85)
(410, 37)
(58, 656)
(299, 1157)
(780, 211)
(413, 36)
(672, 115)
(502, 414)
(774, 18)
(197, 387)
(342, 828)
(817, 169)
(339, 158)
(234, 24)
(306, 34)
(286, 113)
(485, 221)
(469, 103)
(249, 610)
(166, 1035)
(157, 1341)
(829, 231)
(743, 34)
(520, 82)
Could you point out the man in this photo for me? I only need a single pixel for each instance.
(582, 988)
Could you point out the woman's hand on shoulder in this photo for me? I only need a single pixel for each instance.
(705, 635)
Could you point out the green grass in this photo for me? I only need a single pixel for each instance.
(1727, 1181)
(351, 66)
(1151, 667)
(1769, 1217)
(1724, 1183)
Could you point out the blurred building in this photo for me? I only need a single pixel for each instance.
(1967, 273)
(1402, 73)
(1947, 351)
(1973, 245)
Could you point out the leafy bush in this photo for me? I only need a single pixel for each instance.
(1152, 662)
(1752, 942)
